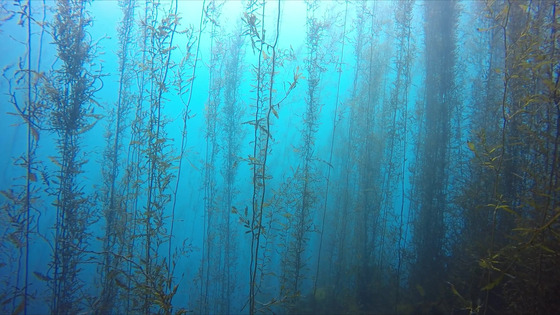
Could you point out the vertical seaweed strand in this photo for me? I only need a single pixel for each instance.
(305, 177)
(265, 107)
(342, 246)
(113, 210)
(431, 186)
(160, 289)
(231, 131)
(154, 288)
(258, 43)
(371, 217)
(17, 211)
(184, 84)
(403, 17)
(331, 150)
(211, 246)
(31, 145)
(70, 92)
(135, 161)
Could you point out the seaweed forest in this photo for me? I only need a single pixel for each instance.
(279, 157)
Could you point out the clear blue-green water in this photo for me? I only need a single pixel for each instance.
(318, 157)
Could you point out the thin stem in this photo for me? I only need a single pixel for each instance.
(256, 207)
(502, 149)
(329, 166)
(29, 158)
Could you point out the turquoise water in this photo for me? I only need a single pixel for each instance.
(225, 157)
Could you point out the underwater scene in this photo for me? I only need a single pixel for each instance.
(279, 157)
